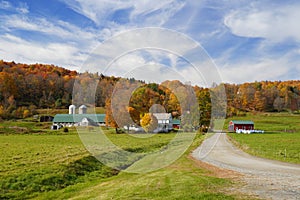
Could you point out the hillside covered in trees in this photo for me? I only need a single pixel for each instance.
(24, 88)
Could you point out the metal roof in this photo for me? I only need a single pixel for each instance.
(70, 118)
(176, 121)
(248, 122)
(162, 116)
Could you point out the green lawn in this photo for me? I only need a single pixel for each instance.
(281, 140)
(277, 146)
(55, 165)
(36, 162)
(181, 180)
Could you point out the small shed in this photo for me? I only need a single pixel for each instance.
(46, 118)
(240, 124)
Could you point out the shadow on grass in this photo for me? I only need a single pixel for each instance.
(29, 184)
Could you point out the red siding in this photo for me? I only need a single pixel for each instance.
(243, 126)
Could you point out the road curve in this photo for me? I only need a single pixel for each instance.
(266, 178)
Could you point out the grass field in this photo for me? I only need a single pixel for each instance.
(277, 146)
(43, 164)
(281, 140)
(36, 162)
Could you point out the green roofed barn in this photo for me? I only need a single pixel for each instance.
(240, 124)
(79, 119)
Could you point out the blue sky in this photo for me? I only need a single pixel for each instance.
(247, 40)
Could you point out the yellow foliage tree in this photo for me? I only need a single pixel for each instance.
(26, 113)
(149, 122)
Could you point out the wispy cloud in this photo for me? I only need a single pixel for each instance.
(21, 7)
(18, 49)
(5, 5)
(275, 23)
(285, 67)
(59, 28)
(148, 13)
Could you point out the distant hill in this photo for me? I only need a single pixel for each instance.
(26, 87)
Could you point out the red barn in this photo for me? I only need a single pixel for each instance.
(176, 123)
(245, 125)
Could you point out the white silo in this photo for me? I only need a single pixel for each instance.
(82, 109)
(72, 109)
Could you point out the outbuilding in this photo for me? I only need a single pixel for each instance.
(164, 122)
(79, 120)
(240, 125)
(176, 123)
(46, 118)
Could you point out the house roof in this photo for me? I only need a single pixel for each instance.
(248, 122)
(176, 121)
(70, 118)
(162, 116)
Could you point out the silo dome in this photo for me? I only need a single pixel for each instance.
(72, 109)
(82, 109)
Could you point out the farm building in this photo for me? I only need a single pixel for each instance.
(240, 124)
(82, 109)
(46, 118)
(164, 122)
(72, 109)
(176, 123)
(79, 120)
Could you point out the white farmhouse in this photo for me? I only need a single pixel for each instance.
(164, 122)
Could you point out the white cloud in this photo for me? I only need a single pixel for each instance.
(60, 29)
(271, 58)
(164, 11)
(247, 71)
(21, 8)
(66, 43)
(146, 13)
(273, 23)
(5, 5)
(158, 66)
(19, 50)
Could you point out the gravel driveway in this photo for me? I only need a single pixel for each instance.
(266, 178)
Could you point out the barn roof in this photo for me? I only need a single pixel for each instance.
(248, 122)
(176, 121)
(162, 116)
(69, 118)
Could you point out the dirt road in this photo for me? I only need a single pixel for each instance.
(266, 178)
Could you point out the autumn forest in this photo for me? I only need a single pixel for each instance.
(24, 88)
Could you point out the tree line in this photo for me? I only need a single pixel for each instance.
(263, 96)
(27, 87)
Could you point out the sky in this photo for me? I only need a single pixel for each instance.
(245, 40)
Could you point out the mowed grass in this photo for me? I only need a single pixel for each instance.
(281, 140)
(32, 164)
(56, 165)
(183, 179)
(277, 146)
